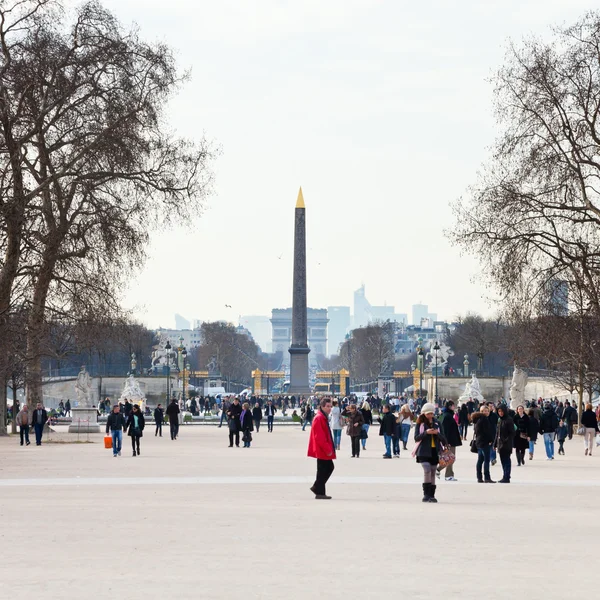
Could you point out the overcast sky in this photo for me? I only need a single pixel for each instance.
(379, 109)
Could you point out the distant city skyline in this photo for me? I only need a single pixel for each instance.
(382, 111)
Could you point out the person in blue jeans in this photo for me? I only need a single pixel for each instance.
(114, 425)
(365, 409)
(484, 440)
(406, 417)
(308, 415)
(387, 428)
(548, 426)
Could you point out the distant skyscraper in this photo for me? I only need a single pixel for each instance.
(260, 328)
(182, 322)
(362, 308)
(558, 297)
(419, 311)
(339, 325)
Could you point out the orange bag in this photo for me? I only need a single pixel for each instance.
(108, 441)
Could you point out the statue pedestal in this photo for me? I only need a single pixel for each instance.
(84, 420)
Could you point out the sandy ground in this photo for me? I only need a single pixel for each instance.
(196, 519)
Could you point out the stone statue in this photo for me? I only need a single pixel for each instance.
(132, 391)
(517, 388)
(213, 368)
(472, 391)
(83, 387)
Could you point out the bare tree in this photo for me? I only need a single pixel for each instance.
(104, 165)
(533, 217)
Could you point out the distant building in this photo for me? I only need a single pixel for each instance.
(181, 322)
(558, 297)
(260, 328)
(192, 338)
(419, 312)
(362, 308)
(339, 326)
(281, 322)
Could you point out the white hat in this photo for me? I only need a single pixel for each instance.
(428, 408)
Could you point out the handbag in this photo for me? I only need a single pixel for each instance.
(446, 458)
(474, 449)
(523, 436)
(581, 430)
(364, 435)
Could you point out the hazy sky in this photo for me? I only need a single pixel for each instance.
(379, 109)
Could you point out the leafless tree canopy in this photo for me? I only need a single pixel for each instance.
(533, 216)
(88, 164)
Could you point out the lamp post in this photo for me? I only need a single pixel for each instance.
(184, 355)
(168, 349)
(420, 363)
(436, 349)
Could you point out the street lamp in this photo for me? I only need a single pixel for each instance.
(184, 355)
(420, 362)
(436, 349)
(168, 349)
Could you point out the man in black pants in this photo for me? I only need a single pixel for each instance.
(270, 411)
(569, 417)
(321, 447)
(158, 420)
(173, 414)
(233, 414)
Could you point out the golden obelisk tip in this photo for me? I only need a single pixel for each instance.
(300, 201)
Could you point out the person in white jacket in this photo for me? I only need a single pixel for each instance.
(335, 422)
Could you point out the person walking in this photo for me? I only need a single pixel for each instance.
(159, 417)
(114, 426)
(246, 427)
(534, 429)
(590, 422)
(561, 436)
(355, 422)
(38, 419)
(483, 442)
(307, 415)
(365, 410)
(522, 428)
(429, 442)
(135, 427)
(68, 408)
(23, 420)
(463, 420)
(386, 429)
(335, 420)
(570, 418)
(450, 431)
(505, 437)
(548, 424)
(493, 417)
(270, 411)
(257, 416)
(321, 447)
(233, 422)
(173, 414)
(406, 417)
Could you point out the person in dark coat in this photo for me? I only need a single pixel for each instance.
(159, 417)
(429, 442)
(386, 429)
(355, 422)
(570, 418)
(173, 414)
(257, 416)
(463, 420)
(505, 436)
(522, 426)
(590, 422)
(135, 427)
(449, 429)
(484, 440)
(534, 429)
(246, 426)
(233, 421)
(548, 425)
(494, 423)
(561, 436)
(38, 419)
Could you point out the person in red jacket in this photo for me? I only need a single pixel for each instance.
(320, 446)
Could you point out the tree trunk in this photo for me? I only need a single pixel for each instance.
(3, 414)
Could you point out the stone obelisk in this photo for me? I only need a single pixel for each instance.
(299, 349)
